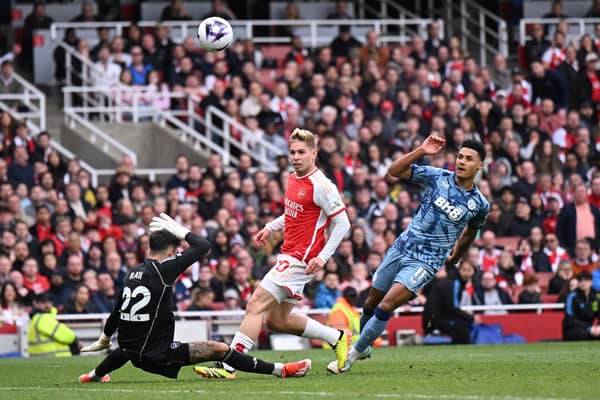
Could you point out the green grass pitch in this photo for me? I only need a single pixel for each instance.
(545, 371)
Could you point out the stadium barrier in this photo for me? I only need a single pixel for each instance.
(577, 27)
(32, 103)
(535, 322)
(107, 102)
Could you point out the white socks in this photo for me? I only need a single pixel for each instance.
(278, 369)
(316, 330)
(242, 343)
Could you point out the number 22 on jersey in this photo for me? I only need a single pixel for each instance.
(137, 303)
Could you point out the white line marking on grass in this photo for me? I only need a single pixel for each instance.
(105, 389)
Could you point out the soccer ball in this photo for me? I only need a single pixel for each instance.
(215, 34)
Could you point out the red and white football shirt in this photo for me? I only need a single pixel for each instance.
(310, 203)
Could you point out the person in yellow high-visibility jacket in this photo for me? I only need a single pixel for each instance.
(47, 336)
(344, 315)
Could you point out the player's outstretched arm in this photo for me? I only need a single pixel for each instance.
(462, 244)
(400, 168)
(341, 226)
(276, 225)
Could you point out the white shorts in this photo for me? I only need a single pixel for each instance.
(286, 280)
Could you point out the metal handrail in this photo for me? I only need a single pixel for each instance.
(581, 23)
(188, 28)
(29, 93)
(242, 145)
(108, 140)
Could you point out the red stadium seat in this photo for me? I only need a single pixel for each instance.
(543, 280)
(508, 242)
(268, 78)
(523, 58)
(276, 52)
(549, 298)
(218, 306)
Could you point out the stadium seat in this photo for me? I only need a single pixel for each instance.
(543, 280)
(522, 58)
(549, 298)
(508, 242)
(276, 52)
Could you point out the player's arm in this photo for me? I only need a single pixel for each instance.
(469, 234)
(171, 268)
(328, 198)
(401, 167)
(467, 237)
(110, 327)
(276, 225)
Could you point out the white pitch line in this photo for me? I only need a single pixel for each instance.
(104, 389)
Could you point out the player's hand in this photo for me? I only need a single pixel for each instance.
(102, 343)
(165, 222)
(433, 144)
(450, 262)
(261, 237)
(314, 265)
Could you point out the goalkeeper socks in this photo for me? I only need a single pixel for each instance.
(113, 361)
(316, 330)
(373, 329)
(246, 363)
(366, 315)
(242, 343)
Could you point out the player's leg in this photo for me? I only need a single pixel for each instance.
(260, 302)
(244, 339)
(217, 351)
(373, 299)
(115, 360)
(412, 275)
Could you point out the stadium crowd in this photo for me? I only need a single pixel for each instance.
(368, 103)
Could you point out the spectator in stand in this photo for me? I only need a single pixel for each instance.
(578, 220)
(434, 42)
(20, 170)
(560, 280)
(546, 84)
(175, 12)
(489, 254)
(442, 311)
(32, 279)
(489, 294)
(555, 253)
(341, 11)
(344, 42)
(568, 70)
(372, 51)
(139, 70)
(328, 292)
(11, 306)
(588, 82)
(87, 13)
(581, 311)
(555, 55)
(80, 302)
(594, 11)
(219, 9)
(36, 20)
(584, 259)
(202, 299)
(537, 45)
(531, 292)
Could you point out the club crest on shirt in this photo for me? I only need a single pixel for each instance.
(471, 205)
(301, 193)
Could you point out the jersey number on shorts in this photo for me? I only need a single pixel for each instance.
(418, 277)
(136, 305)
(282, 265)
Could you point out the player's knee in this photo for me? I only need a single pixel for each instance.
(387, 305)
(275, 324)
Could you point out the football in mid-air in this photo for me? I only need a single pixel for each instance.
(215, 34)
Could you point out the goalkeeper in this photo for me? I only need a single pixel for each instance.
(144, 319)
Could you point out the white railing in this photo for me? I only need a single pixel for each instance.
(30, 97)
(260, 148)
(577, 27)
(198, 131)
(480, 30)
(314, 33)
(384, 8)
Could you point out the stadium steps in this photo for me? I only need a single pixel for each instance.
(73, 140)
(148, 139)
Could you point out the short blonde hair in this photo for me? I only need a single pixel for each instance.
(306, 136)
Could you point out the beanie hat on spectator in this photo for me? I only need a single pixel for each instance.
(231, 294)
(387, 106)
